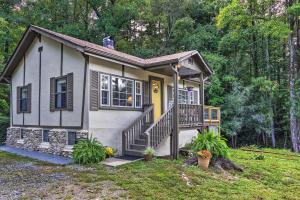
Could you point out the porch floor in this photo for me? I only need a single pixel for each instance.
(118, 161)
(50, 158)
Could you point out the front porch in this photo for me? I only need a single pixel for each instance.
(185, 108)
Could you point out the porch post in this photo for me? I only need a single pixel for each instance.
(174, 136)
(202, 99)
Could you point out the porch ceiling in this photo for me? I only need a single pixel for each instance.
(184, 72)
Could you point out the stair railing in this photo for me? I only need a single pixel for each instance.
(159, 130)
(137, 127)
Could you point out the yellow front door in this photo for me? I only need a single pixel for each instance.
(156, 98)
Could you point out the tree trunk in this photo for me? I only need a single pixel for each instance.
(292, 80)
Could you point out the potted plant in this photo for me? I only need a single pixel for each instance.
(204, 157)
(149, 153)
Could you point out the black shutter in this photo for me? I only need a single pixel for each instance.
(29, 98)
(70, 92)
(170, 95)
(18, 100)
(94, 90)
(52, 94)
(146, 93)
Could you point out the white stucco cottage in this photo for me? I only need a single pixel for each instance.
(64, 89)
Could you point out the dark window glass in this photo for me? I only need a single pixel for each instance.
(214, 114)
(61, 93)
(71, 138)
(22, 133)
(206, 114)
(24, 99)
(45, 135)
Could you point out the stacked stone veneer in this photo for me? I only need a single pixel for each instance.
(32, 140)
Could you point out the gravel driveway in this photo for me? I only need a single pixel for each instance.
(27, 179)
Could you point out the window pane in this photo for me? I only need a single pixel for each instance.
(22, 133)
(71, 138)
(214, 114)
(122, 92)
(104, 82)
(23, 105)
(206, 114)
(60, 93)
(105, 98)
(45, 135)
(138, 100)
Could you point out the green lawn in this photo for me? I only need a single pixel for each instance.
(275, 177)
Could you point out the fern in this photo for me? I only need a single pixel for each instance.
(88, 151)
(212, 142)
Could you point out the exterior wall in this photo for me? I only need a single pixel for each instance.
(32, 140)
(72, 61)
(107, 125)
(185, 136)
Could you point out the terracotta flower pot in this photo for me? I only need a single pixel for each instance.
(203, 162)
(148, 157)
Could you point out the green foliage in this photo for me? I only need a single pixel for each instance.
(4, 124)
(88, 152)
(212, 142)
(294, 9)
(259, 157)
(149, 151)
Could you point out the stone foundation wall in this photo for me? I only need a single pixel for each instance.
(32, 140)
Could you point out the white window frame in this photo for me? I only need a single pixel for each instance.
(138, 94)
(108, 89)
(132, 92)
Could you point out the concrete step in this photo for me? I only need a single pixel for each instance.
(138, 147)
(140, 141)
(134, 153)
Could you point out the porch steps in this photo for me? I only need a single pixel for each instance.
(138, 147)
(133, 152)
(140, 141)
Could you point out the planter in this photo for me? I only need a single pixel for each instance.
(148, 157)
(203, 162)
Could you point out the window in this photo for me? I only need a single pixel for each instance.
(60, 93)
(185, 97)
(190, 61)
(24, 99)
(45, 135)
(122, 92)
(138, 94)
(104, 90)
(182, 96)
(214, 114)
(22, 134)
(206, 114)
(71, 138)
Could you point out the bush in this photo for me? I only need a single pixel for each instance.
(212, 142)
(4, 124)
(88, 152)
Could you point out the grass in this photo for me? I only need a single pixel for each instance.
(274, 177)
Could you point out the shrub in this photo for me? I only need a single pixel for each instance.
(88, 151)
(4, 123)
(212, 142)
(149, 151)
